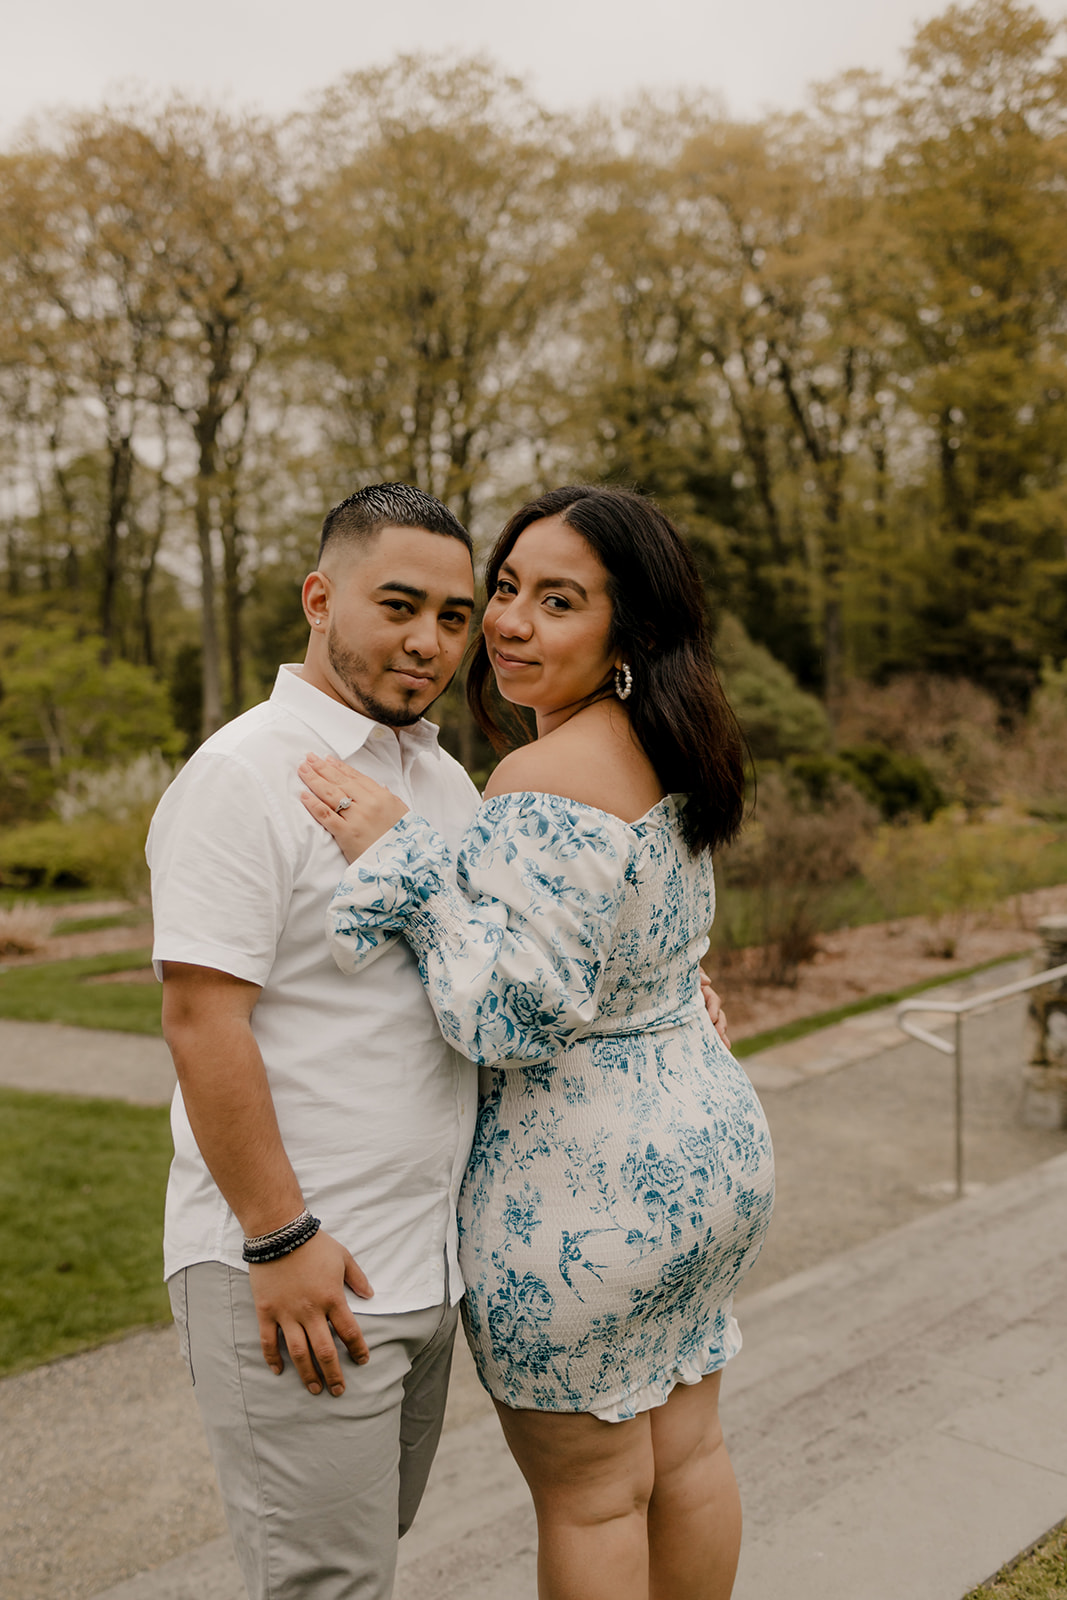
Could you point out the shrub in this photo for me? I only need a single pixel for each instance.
(24, 928)
(951, 869)
(93, 852)
(99, 841)
(118, 792)
(792, 854)
(899, 785)
(778, 717)
(64, 708)
(950, 725)
(1038, 757)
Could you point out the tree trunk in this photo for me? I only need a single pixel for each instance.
(233, 606)
(151, 555)
(883, 599)
(14, 573)
(208, 421)
(120, 449)
(233, 599)
(833, 561)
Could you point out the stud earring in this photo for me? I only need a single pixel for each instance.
(624, 682)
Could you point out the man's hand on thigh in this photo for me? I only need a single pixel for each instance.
(303, 1295)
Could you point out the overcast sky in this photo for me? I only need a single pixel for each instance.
(760, 54)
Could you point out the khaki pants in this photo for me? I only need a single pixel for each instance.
(316, 1489)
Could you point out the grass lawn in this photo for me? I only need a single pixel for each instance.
(56, 991)
(1042, 1575)
(124, 919)
(81, 1216)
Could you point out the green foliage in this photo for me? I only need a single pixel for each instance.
(792, 857)
(952, 868)
(949, 725)
(81, 1214)
(1031, 859)
(1037, 774)
(186, 686)
(91, 852)
(1039, 1575)
(99, 841)
(122, 919)
(57, 991)
(46, 897)
(779, 718)
(898, 785)
(974, 180)
(64, 707)
(832, 344)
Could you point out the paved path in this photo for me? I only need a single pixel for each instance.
(897, 1418)
(899, 1427)
(49, 1057)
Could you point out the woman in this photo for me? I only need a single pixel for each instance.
(621, 1179)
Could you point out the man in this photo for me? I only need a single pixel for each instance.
(304, 1091)
(308, 1097)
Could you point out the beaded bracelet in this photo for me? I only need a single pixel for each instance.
(283, 1241)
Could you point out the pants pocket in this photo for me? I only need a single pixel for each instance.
(178, 1290)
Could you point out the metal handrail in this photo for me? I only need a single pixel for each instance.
(958, 1009)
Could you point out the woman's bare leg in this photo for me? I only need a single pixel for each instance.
(591, 1482)
(694, 1515)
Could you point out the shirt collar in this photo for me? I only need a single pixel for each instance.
(344, 730)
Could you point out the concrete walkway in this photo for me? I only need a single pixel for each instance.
(898, 1418)
(898, 1427)
(50, 1058)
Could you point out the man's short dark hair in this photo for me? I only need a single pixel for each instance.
(388, 505)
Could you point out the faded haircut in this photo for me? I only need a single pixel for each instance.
(388, 505)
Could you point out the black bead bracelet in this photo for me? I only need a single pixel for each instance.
(282, 1242)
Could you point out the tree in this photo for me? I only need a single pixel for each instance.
(89, 284)
(64, 707)
(796, 330)
(215, 192)
(428, 243)
(977, 178)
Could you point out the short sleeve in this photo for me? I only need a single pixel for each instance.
(512, 936)
(222, 870)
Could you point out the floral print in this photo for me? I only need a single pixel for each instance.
(621, 1180)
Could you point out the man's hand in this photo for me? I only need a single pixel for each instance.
(302, 1296)
(713, 1005)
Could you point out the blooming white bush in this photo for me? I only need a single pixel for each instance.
(24, 928)
(117, 792)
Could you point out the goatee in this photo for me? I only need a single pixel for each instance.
(350, 668)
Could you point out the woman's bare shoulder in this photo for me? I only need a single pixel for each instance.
(588, 763)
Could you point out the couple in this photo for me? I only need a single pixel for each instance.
(620, 1180)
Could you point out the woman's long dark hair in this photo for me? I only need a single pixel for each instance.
(678, 710)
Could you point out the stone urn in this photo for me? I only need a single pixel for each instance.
(1045, 1072)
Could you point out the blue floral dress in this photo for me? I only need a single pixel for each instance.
(621, 1180)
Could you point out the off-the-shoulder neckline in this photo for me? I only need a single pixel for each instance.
(669, 800)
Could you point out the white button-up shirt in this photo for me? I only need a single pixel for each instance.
(376, 1112)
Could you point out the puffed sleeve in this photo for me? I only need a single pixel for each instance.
(512, 937)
